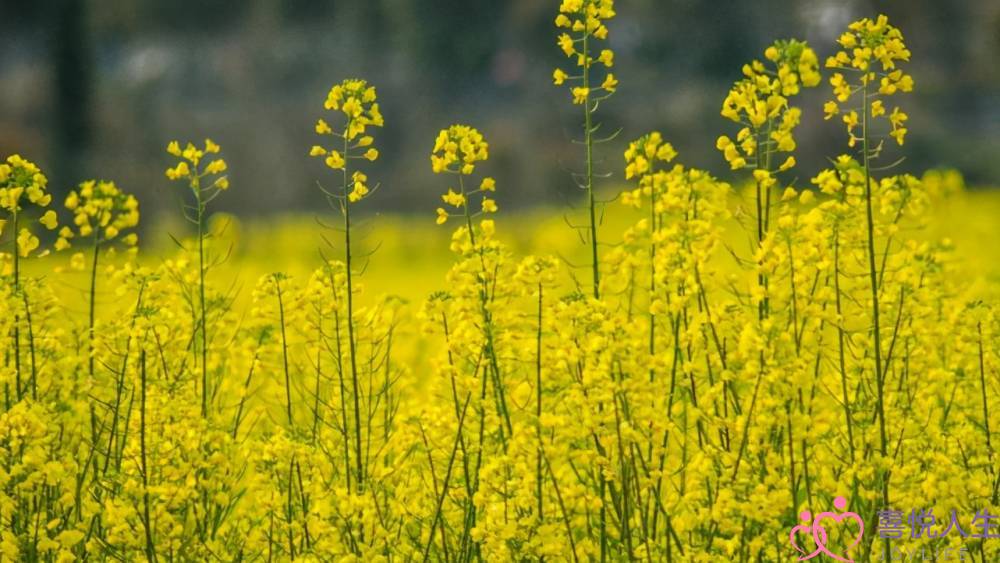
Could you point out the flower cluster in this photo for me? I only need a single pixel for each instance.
(871, 51)
(190, 168)
(355, 99)
(585, 22)
(642, 153)
(102, 211)
(456, 150)
(759, 102)
(23, 184)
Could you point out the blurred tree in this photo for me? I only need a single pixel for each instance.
(72, 87)
(79, 75)
(457, 38)
(192, 15)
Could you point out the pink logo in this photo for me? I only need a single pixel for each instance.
(819, 535)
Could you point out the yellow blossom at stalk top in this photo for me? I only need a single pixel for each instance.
(354, 100)
(583, 24)
(102, 211)
(457, 150)
(759, 101)
(22, 187)
(643, 151)
(189, 167)
(871, 50)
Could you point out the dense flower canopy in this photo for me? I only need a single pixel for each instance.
(731, 356)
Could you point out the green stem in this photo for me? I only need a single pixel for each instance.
(17, 316)
(982, 384)
(196, 187)
(31, 347)
(345, 430)
(447, 479)
(876, 321)
(488, 326)
(146, 522)
(317, 418)
(284, 354)
(359, 468)
(93, 306)
(588, 141)
(538, 406)
(841, 346)
(246, 386)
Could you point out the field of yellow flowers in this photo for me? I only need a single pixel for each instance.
(719, 358)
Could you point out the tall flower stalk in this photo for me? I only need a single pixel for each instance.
(584, 20)
(760, 102)
(456, 151)
(354, 101)
(867, 45)
(101, 214)
(23, 186)
(205, 184)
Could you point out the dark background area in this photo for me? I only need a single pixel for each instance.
(97, 88)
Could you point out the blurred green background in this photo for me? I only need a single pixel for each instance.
(96, 88)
